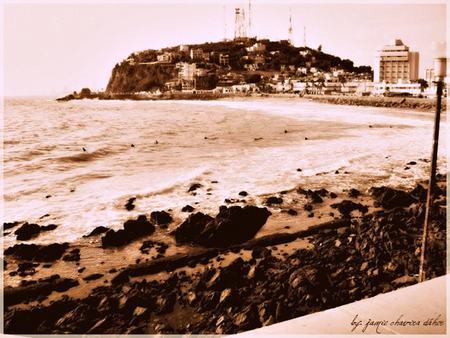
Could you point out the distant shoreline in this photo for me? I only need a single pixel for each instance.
(425, 104)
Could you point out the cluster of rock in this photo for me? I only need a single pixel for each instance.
(386, 102)
(349, 260)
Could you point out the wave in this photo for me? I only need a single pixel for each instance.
(86, 156)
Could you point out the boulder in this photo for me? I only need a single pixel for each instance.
(273, 200)
(314, 196)
(139, 227)
(33, 252)
(132, 229)
(233, 225)
(72, 256)
(97, 231)
(390, 198)
(187, 208)
(192, 227)
(161, 217)
(346, 207)
(30, 230)
(195, 186)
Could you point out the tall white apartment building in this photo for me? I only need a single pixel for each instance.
(395, 63)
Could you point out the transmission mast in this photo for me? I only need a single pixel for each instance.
(224, 24)
(249, 18)
(291, 39)
(239, 29)
(304, 36)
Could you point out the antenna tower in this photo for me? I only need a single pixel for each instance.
(249, 18)
(291, 39)
(224, 24)
(304, 36)
(239, 30)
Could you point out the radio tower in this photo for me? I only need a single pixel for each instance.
(249, 18)
(291, 39)
(304, 36)
(239, 30)
(224, 24)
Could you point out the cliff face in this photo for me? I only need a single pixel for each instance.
(129, 78)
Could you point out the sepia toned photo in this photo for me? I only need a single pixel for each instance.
(207, 168)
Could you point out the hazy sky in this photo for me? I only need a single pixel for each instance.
(57, 47)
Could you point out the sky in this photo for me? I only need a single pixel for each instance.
(56, 47)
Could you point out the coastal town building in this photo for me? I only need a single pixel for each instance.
(396, 62)
(186, 71)
(166, 57)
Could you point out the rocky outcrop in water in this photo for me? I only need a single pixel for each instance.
(233, 225)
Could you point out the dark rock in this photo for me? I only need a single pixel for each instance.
(51, 252)
(308, 207)
(130, 206)
(16, 295)
(314, 197)
(93, 277)
(115, 238)
(166, 303)
(248, 319)
(261, 252)
(195, 187)
(354, 193)
(187, 208)
(160, 217)
(292, 212)
(27, 231)
(233, 225)
(139, 227)
(192, 227)
(322, 192)
(133, 229)
(121, 278)
(390, 198)
(78, 320)
(10, 225)
(273, 200)
(419, 193)
(72, 256)
(243, 193)
(97, 231)
(33, 252)
(26, 266)
(346, 207)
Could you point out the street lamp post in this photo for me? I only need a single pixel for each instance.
(440, 70)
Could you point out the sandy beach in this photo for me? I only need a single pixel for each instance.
(308, 251)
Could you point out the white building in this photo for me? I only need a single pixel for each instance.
(395, 62)
(186, 70)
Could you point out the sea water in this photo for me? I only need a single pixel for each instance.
(155, 151)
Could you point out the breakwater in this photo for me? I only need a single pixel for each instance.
(386, 102)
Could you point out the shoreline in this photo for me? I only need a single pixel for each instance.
(423, 104)
(323, 249)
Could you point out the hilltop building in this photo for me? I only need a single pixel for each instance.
(396, 63)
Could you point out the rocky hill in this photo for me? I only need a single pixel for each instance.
(131, 78)
(141, 71)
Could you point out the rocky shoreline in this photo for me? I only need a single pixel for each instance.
(223, 274)
(385, 102)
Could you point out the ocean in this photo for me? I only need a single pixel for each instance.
(155, 151)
